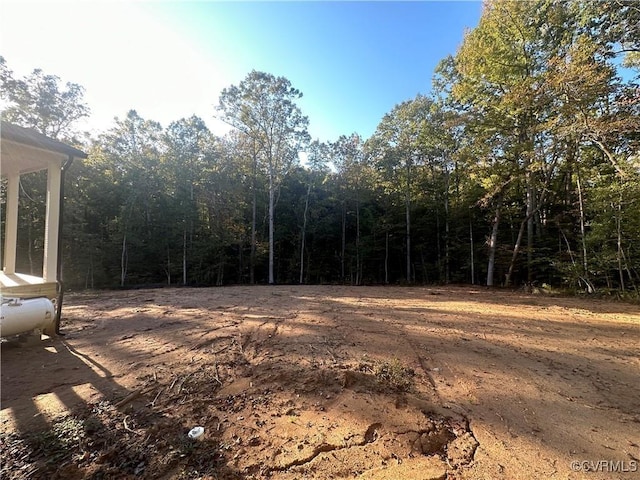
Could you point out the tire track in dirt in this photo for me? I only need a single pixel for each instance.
(308, 383)
(257, 337)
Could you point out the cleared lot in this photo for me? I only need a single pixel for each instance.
(320, 382)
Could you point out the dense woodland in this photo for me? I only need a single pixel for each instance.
(520, 167)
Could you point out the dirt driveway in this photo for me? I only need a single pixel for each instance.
(320, 382)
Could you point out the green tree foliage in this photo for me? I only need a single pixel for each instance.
(521, 167)
(354, 177)
(318, 157)
(263, 107)
(535, 91)
(398, 149)
(615, 25)
(38, 101)
(501, 84)
(131, 150)
(187, 157)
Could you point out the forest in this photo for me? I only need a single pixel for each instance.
(520, 167)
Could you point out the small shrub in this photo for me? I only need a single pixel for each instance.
(394, 374)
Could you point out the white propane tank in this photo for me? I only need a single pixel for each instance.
(22, 315)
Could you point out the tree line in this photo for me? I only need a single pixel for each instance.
(522, 166)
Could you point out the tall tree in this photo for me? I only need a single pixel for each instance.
(502, 64)
(348, 158)
(396, 149)
(39, 101)
(246, 153)
(318, 156)
(189, 149)
(263, 107)
(133, 147)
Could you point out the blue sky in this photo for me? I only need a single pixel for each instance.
(353, 61)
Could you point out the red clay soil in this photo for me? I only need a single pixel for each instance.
(325, 382)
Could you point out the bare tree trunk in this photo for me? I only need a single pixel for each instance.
(493, 243)
(254, 207)
(240, 259)
(585, 266)
(609, 156)
(358, 279)
(473, 267)
(447, 272)
(220, 274)
(407, 202)
(271, 226)
(619, 244)
(304, 233)
(566, 241)
(516, 247)
(168, 266)
(386, 258)
(30, 243)
(531, 209)
(184, 256)
(124, 258)
(184, 236)
(344, 239)
(438, 245)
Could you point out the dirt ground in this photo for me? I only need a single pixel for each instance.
(319, 382)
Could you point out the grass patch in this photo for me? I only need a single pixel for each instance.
(394, 374)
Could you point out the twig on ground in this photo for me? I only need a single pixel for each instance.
(184, 381)
(153, 404)
(126, 427)
(135, 394)
(221, 350)
(217, 377)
